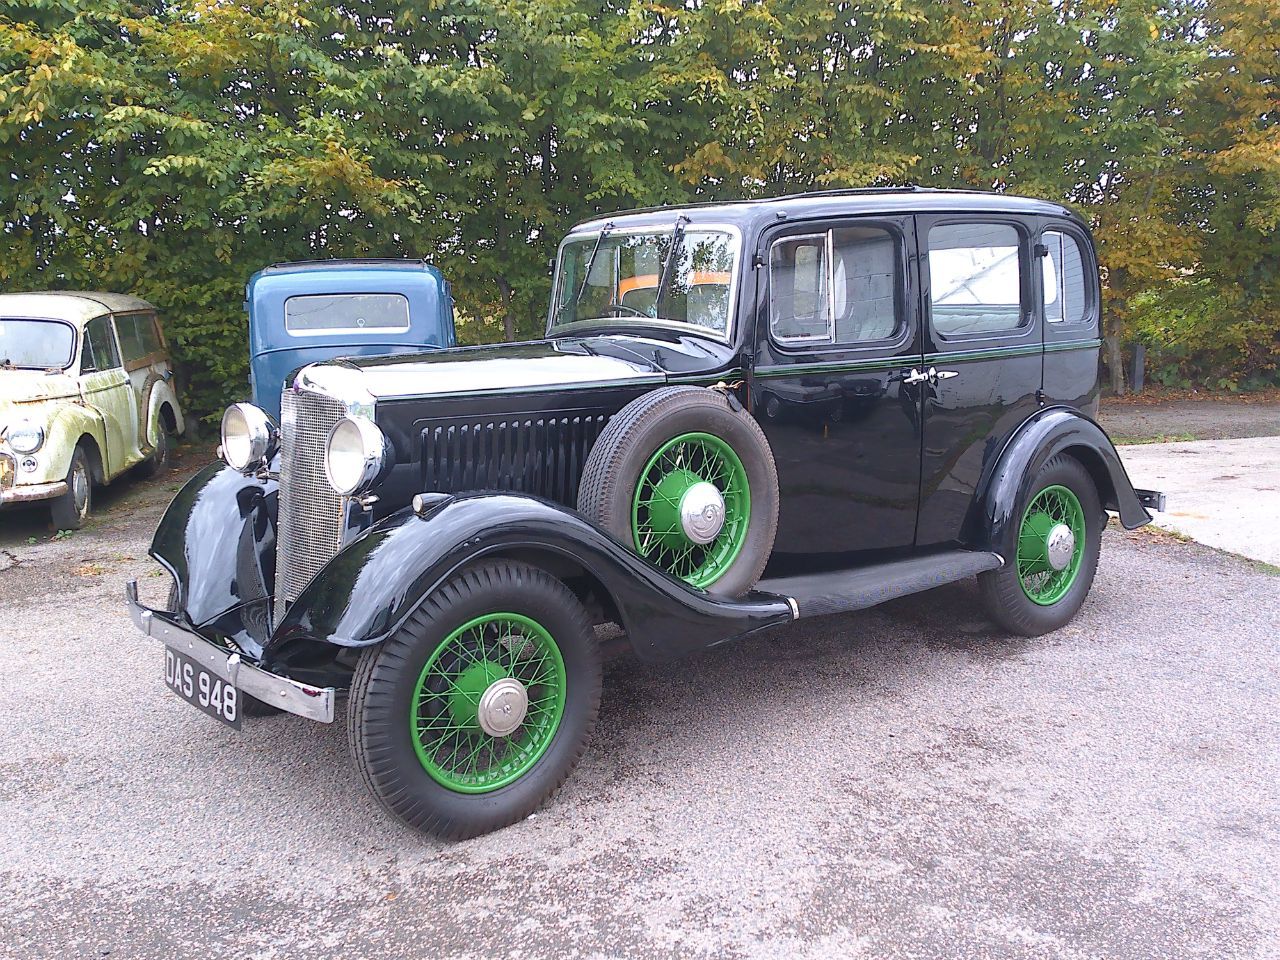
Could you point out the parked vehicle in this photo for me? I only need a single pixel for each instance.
(301, 313)
(86, 392)
(742, 414)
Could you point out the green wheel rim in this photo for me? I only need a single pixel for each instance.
(443, 718)
(655, 510)
(1051, 506)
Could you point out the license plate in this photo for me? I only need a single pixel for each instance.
(202, 689)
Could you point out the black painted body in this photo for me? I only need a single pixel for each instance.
(872, 469)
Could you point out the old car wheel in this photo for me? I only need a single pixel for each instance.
(689, 482)
(1052, 552)
(72, 508)
(476, 710)
(158, 462)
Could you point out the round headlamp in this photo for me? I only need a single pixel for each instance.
(25, 436)
(355, 455)
(247, 436)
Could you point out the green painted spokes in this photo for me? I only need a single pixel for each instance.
(1049, 559)
(444, 721)
(659, 536)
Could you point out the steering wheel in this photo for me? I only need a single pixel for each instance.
(631, 310)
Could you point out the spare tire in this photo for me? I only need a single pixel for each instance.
(685, 477)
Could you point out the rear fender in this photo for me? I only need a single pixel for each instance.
(1048, 433)
(379, 579)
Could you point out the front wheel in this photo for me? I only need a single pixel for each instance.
(1051, 554)
(70, 510)
(479, 706)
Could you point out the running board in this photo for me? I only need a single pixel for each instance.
(840, 591)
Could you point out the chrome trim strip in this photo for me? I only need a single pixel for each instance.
(795, 608)
(302, 699)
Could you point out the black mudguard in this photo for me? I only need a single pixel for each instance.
(1049, 432)
(375, 582)
(218, 539)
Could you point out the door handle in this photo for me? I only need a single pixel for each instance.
(943, 374)
(915, 376)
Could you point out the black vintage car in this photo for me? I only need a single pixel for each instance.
(742, 414)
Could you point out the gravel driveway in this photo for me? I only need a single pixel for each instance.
(895, 783)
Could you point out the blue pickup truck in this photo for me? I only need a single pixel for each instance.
(301, 313)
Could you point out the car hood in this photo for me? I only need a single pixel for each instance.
(510, 367)
(29, 386)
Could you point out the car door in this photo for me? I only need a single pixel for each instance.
(836, 342)
(984, 352)
(144, 360)
(105, 388)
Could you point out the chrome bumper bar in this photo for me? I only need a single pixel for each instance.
(30, 493)
(314, 703)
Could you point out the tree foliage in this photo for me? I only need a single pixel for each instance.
(172, 148)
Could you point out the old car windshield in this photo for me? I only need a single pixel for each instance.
(628, 276)
(39, 344)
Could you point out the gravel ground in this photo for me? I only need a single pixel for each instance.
(1190, 420)
(895, 783)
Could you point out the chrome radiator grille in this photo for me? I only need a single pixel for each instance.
(542, 455)
(310, 521)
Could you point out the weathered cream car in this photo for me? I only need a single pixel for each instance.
(86, 392)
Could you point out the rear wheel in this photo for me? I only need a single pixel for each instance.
(1051, 554)
(158, 462)
(475, 711)
(71, 509)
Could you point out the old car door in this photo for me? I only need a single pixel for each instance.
(983, 351)
(104, 387)
(144, 360)
(837, 341)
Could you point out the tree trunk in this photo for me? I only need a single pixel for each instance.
(1115, 362)
(508, 313)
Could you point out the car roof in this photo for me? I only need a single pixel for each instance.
(823, 203)
(75, 306)
(362, 263)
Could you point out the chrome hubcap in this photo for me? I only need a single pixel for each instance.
(702, 512)
(80, 489)
(502, 707)
(1060, 546)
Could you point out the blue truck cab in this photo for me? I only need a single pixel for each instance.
(304, 312)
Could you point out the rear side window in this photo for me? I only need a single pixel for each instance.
(99, 346)
(346, 313)
(975, 278)
(1066, 295)
(838, 287)
(138, 337)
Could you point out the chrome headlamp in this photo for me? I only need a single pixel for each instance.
(355, 456)
(248, 437)
(25, 436)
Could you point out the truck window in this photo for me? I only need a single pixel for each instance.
(314, 314)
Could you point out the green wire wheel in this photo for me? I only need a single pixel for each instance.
(696, 467)
(1051, 541)
(488, 702)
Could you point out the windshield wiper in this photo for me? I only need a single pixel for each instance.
(677, 235)
(591, 260)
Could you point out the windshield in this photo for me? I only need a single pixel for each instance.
(618, 276)
(40, 344)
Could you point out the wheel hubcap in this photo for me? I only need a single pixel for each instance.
(1060, 546)
(488, 703)
(1051, 542)
(692, 508)
(80, 490)
(702, 512)
(502, 707)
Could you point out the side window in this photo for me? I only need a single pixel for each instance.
(975, 278)
(149, 334)
(1066, 296)
(864, 296)
(799, 307)
(99, 346)
(838, 287)
(131, 345)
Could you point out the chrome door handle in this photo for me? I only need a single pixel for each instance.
(943, 374)
(915, 376)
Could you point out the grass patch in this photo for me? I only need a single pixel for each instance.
(1123, 441)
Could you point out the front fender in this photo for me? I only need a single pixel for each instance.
(1047, 433)
(218, 539)
(374, 583)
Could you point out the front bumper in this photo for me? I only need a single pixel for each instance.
(314, 703)
(30, 493)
